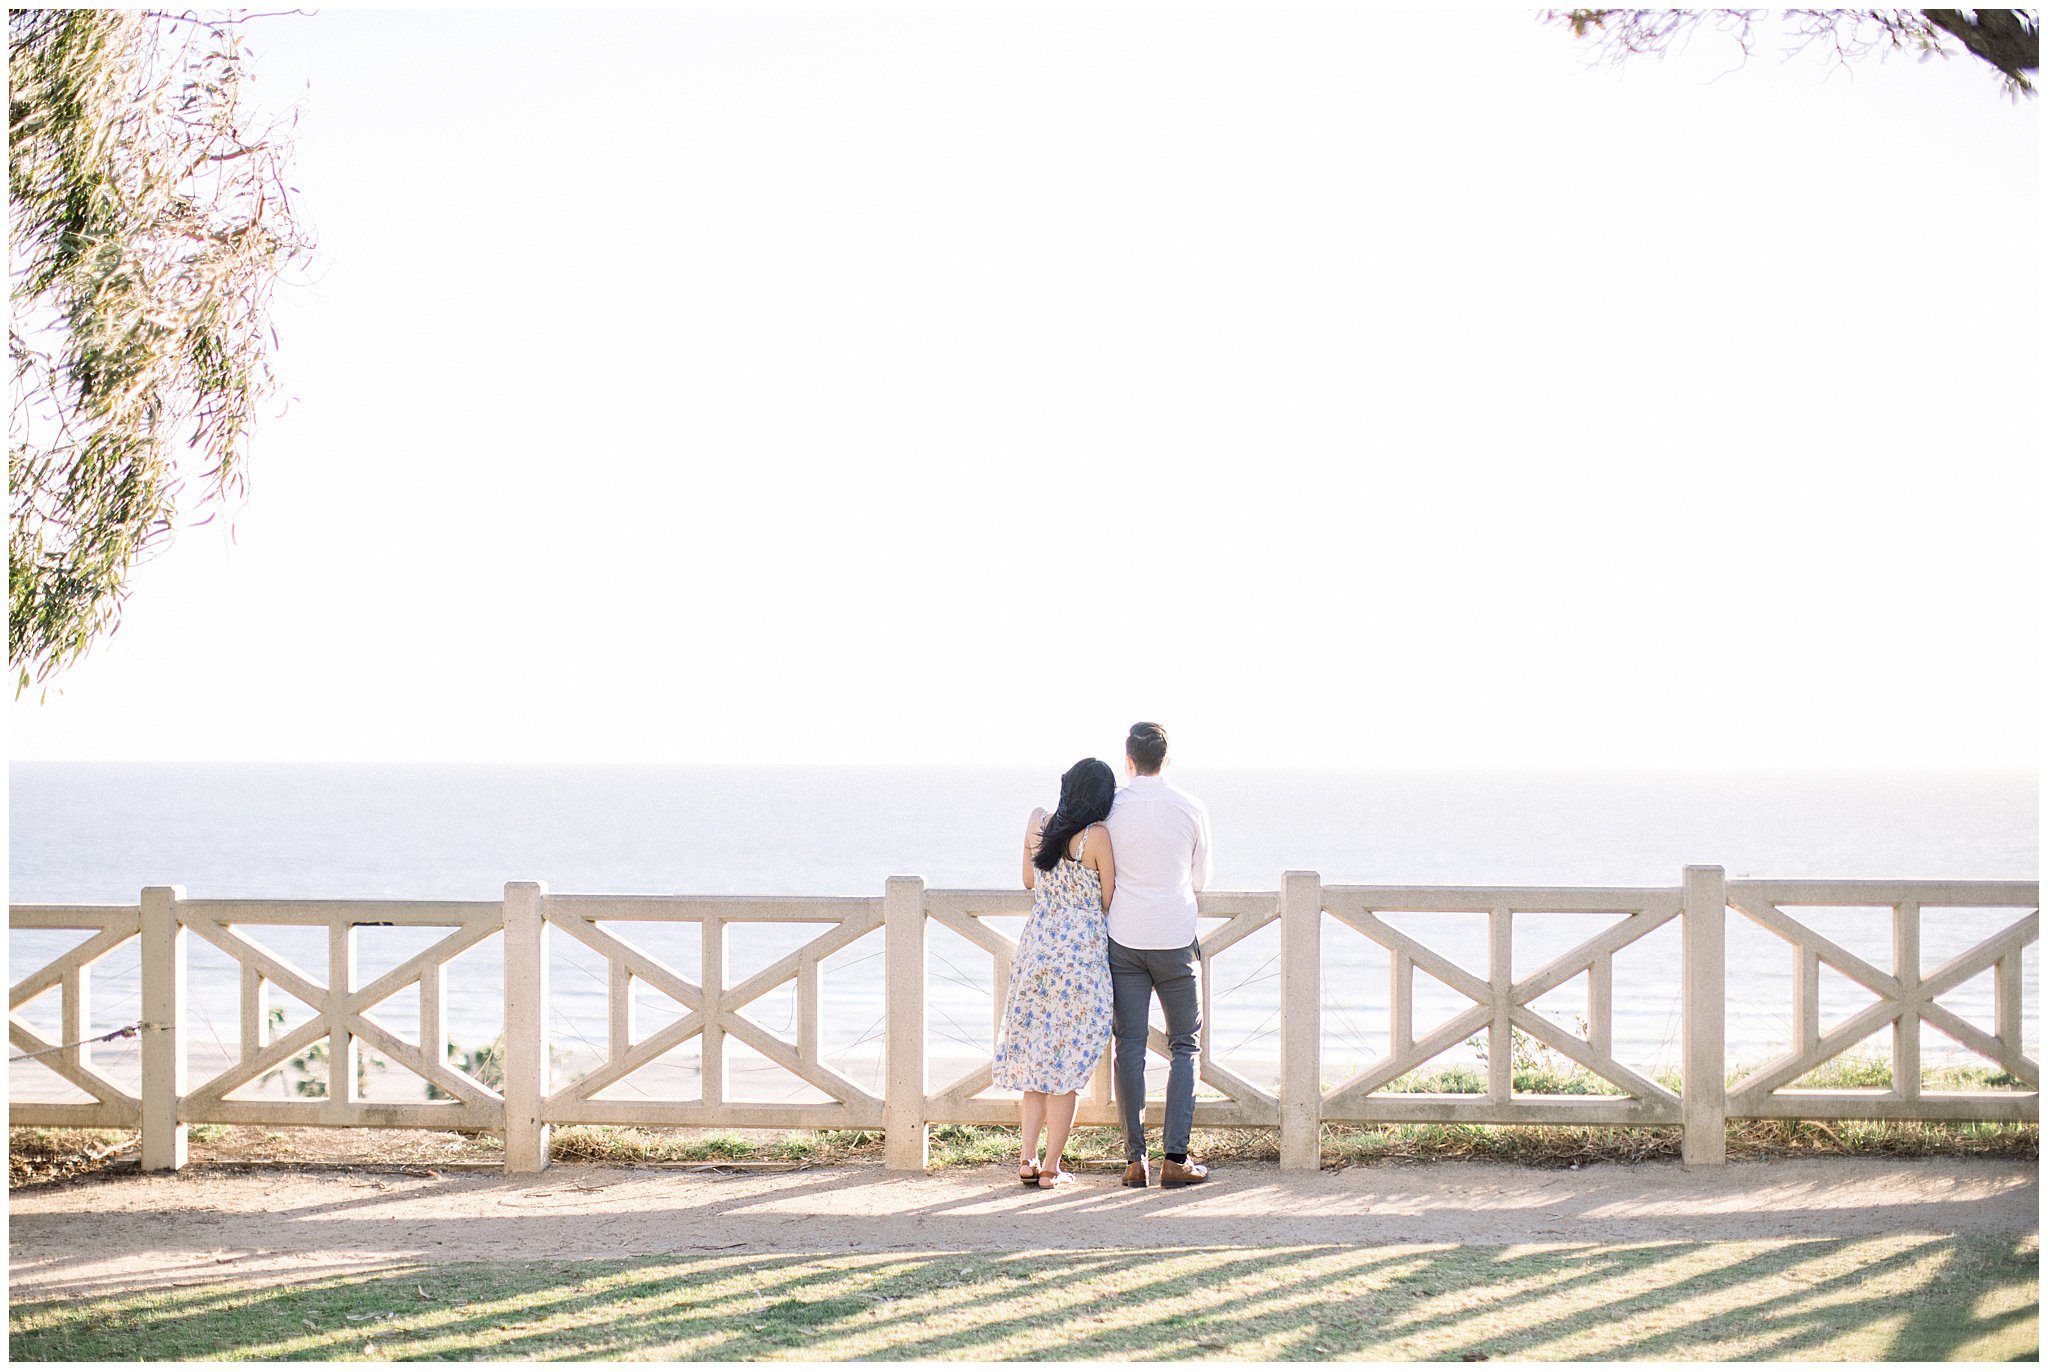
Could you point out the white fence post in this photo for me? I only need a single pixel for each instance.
(1705, 1016)
(1301, 1021)
(526, 1006)
(904, 1096)
(344, 1054)
(163, 1037)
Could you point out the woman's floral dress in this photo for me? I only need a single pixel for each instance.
(1057, 1020)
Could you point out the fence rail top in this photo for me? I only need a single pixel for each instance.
(338, 911)
(70, 915)
(1997, 894)
(729, 908)
(1214, 903)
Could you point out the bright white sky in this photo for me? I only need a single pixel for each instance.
(961, 386)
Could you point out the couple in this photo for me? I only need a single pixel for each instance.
(1113, 923)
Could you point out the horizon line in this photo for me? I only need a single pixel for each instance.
(1675, 764)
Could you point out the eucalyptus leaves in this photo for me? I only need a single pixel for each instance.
(148, 228)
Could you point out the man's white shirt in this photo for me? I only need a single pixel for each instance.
(1160, 839)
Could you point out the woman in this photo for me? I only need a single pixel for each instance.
(1057, 1020)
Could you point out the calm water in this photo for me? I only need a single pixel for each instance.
(85, 833)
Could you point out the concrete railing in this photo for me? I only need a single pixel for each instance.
(528, 1104)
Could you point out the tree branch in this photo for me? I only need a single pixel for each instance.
(2008, 39)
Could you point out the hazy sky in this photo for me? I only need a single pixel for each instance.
(961, 386)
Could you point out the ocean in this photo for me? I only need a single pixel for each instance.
(99, 832)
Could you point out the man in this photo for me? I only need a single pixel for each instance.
(1161, 839)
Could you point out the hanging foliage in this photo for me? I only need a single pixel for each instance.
(148, 227)
(2008, 40)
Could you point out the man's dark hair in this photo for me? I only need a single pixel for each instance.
(1146, 747)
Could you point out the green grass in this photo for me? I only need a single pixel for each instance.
(1537, 1078)
(1849, 1072)
(960, 1144)
(1537, 1070)
(605, 1145)
(1887, 1298)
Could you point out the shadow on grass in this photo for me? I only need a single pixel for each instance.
(1888, 1298)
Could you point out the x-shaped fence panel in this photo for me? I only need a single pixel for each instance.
(714, 1011)
(1905, 999)
(342, 1012)
(70, 1056)
(1501, 1004)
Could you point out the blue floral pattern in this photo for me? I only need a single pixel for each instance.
(1056, 1022)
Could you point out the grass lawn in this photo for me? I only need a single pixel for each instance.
(1892, 1298)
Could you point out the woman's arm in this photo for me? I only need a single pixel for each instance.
(1096, 853)
(1033, 826)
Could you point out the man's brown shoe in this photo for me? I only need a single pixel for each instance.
(1137, 1175)
(1190, 1172)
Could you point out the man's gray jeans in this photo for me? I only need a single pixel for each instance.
(1134, 974)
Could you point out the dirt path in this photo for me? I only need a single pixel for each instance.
(124, 1231)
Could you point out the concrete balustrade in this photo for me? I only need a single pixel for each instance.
(1502, 1006)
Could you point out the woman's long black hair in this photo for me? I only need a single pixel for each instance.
(1086, 793)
